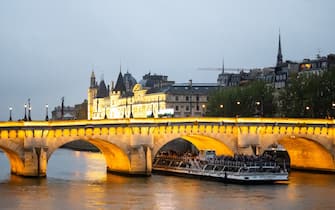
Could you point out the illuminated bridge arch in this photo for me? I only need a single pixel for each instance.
(14, 153)
(116, 157)
(200, 142)
(308, 154)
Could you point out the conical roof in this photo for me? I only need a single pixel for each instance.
(119, 86)
(102, 90)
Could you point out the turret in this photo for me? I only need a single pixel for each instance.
(91, 94)
(93, 81)
(119, 86)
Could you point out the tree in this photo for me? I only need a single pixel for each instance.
(247, 101)
(309, 95)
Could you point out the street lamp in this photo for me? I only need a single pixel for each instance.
(131, 110)
(29, 113)
(238, 107)
(10, 113)
(221, 109)
(46, 112)
(25, 112)
(29, 110)
(152, 111)
(259, 109)
(203, 109)
(105, 113)
(307, 110)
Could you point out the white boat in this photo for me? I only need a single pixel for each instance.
(221, 170)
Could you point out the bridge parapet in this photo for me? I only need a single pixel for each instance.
(30, 144)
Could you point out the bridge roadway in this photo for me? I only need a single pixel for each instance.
(129, 145)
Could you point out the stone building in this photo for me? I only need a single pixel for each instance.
(157, 97)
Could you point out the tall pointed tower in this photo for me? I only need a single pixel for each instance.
(279, 54)
(91, 94)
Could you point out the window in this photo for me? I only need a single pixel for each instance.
(197, 98)
(187, 98)
(197, 107)
(187, 108)
(177, 108)
(177, 98)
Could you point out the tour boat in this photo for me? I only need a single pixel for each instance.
(240, 168)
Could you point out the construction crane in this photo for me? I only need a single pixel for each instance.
(223, 69)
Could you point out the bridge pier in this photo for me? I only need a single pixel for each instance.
(140, 162)
(34, 163)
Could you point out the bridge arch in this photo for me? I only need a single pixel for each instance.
(308, 154)
(14, 154)
(116, 157)
(201, 142)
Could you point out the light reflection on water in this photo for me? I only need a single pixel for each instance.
(78, 180)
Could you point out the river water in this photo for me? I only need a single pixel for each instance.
(78, 180)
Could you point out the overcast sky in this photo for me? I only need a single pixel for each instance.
(49, 48)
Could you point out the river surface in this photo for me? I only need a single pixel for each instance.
(78, 180)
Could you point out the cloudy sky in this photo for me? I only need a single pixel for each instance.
(49, 48)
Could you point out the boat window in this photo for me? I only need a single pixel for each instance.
(218, 168)
(209, 167)
(244, 170)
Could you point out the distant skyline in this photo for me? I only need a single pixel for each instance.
(49, 48)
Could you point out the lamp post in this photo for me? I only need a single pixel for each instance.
(307, 110)
(258, 108)
(238, 103)
(29, 110)
(25, 112)
(131, 110)
(221, 109)
(152, 111)
(10, 113)
(46, 112)
(203, 109)
(29, 113)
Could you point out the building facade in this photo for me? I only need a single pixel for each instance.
(152, 100)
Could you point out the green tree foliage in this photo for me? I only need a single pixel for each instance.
(309, 96)
(255, 99)
(304, 96)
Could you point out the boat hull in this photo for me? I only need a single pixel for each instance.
(227, 177)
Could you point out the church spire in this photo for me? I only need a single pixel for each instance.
(279, 55)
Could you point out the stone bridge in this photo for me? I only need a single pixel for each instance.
(129, 145)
